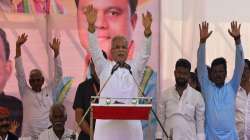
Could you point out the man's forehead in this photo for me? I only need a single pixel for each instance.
(119, 42)
(103, 4)
(35, 73)
(182, 69)
(218, 66)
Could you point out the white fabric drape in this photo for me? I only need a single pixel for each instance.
(180, 32)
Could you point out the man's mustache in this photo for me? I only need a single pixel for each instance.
(59, 123)
(218, 77)
(181, 79)
(5, 126)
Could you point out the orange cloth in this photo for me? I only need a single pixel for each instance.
(4, 111)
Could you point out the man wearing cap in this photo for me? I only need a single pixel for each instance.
(6, 100)
(5, 125)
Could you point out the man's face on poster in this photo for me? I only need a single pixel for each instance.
(114, 18)
(5, 66)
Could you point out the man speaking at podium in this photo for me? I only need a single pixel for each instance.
(121, 83)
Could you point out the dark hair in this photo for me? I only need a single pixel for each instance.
(183, 63)
(219, 61)
(194, 78)
(132, 4)
(247, 62)
(5, 43)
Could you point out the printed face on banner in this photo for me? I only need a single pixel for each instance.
(114, 18)
(5, 66)
(68, 23)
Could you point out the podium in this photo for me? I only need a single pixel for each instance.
(138, 109)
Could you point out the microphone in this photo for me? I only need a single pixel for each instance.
(73, 136)
(115, 67)
(127, 66)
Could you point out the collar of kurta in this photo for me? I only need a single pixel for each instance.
(184, 91)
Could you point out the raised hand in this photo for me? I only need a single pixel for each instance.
(91, 16)
(235, 30)
(204, 34)
(13, 126)
(55, 46)
(147, 22)
(21, 39)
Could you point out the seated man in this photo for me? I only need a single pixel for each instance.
(36, 100)
(5, 125)
(58, 117)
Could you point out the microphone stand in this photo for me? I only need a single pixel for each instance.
(152, 110)
(98, 94)
(115, 67)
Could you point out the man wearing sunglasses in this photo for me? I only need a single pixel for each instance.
(37, 100)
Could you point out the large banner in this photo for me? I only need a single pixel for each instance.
(42, 20)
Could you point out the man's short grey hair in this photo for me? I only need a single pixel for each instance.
(119, 38)
(57, 106)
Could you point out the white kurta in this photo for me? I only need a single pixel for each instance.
(24, 138)
(36, 105)
(243, 114)
(49, 134)
(183, 115)
(121, 85)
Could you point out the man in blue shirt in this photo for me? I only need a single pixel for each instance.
(220, 96)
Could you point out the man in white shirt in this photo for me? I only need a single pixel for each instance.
(121, 84)
(36, 100)
(243, 104)
(120, 17)
(181, 108)
(58, 117)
